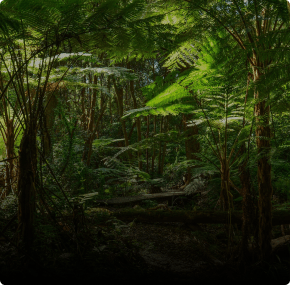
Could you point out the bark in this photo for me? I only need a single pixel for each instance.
(191, 217)
(119, 96)
(90, 126)
(110, 111)
(138, 123)
(89, 142)
(226, 197)
(160, 148)
(249, 218)
(163, 158)
(138, 198)
(147, 136)
(26, 186)
(249, 205)
(83, 117)
(10, 140)
(131, 131)
(263, 134)
(192, 146)
(50, 116)
(153, 148)
(2, 185)
(154, 131)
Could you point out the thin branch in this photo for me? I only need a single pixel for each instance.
(54, 177)
(9, 159)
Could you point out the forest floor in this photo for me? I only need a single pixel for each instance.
(182, 254)
(139, 253)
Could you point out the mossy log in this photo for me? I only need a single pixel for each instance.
(193, 217)
(170, 196)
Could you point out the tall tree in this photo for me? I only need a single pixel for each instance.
(260, 31)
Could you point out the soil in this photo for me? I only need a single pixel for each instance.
(139, 253)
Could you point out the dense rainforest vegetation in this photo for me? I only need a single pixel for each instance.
(109, 107)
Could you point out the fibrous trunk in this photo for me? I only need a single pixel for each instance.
(49, 122)
(250, 222)
(138, 123)
(192, 146)
(26, 186)
(226, 197)
(262, 112)
(10, 139)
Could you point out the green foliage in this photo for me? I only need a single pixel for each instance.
(117, 177)
(83, 198)
(9, 205)
(149, 204)
(175, 63)
(281, 179)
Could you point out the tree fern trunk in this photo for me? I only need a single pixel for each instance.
(138, 122)
(26, 186)
(90, 126)
(263, 133)
(153, 148)
(226, 197)
(10, 139)
(120, 95)
(49, 121)
(250, 221)
(147, 136)
(83, 117)
(192, 146)
(160, 149)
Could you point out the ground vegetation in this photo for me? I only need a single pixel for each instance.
(144, 140)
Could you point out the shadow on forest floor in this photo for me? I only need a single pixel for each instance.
(157, 253)
(141, 253)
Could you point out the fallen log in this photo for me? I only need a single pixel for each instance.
(193, 217)
(280, 247)
(170, 196)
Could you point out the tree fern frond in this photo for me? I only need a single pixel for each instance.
(184, 55)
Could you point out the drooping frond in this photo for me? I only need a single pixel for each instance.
(183, 56)
(172, 109)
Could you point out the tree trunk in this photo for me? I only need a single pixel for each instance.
(249, 218)
(10, 139)
(83, 117)
(249, 205)
(138, 123)
(192, 146)
(89, 142)
(191, 217)
(147, 136)
(120, 95)
(153, 148)
(166, 120)
(226, 197)
(49, 117)
(90, 126)
(26, 186)
(160, 148)
(163, 158)
(263, 134)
